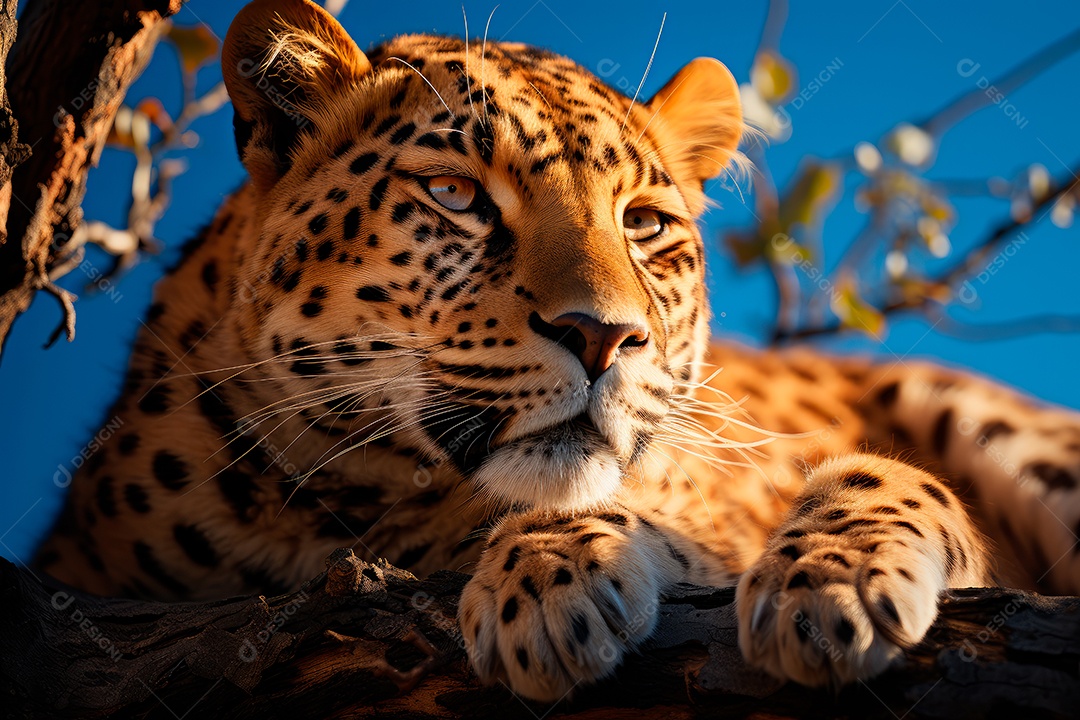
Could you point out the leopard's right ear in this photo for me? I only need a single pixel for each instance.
(283, 60)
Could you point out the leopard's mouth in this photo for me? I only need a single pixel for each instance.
(568, 439)
(569, 465)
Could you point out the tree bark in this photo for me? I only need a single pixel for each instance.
(67, 75)
(370, 640)
(12, 152)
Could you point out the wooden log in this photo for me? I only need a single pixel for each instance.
(367, 640)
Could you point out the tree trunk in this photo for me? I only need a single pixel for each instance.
(370, 640)
(67, 75)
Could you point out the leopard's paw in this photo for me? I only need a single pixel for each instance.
(555, 606)
(827, 610)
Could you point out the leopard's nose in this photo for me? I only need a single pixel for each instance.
(594, 343)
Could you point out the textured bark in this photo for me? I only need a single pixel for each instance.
(12, 152)
(67, 75)
(365, 641)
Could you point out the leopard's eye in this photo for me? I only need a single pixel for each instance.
(453, 193)
(642, 224)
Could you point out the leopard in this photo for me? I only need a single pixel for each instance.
(456, 317)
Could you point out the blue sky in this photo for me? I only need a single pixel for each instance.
(893, 60)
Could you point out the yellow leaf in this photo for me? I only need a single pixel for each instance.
(856, 313)
(939, 209)
(815, 192)
(782, 248)
(196, 46)
(773, 77)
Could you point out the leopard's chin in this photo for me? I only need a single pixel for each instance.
(569, 466)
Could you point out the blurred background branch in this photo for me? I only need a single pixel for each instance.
(892, 264)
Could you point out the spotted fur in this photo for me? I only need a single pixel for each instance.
(520, 386)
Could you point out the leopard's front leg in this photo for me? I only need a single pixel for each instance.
(853, 575)
(558, 599)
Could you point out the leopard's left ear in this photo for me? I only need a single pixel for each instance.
(283, 61)
(700, 111)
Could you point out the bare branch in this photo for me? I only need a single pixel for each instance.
(773, 27)
(80, 58)
(977, 255)
(969, 264)
(968, 103)
(67, 304)
(1047, 323)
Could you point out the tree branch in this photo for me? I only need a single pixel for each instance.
(369, 640)
(1053, 323)
(970, 102)
(67, 76)
(773, 28)
(969, 264)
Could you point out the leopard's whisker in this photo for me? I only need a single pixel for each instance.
(378, 381)
(540, 94)
(693, 484)
(754, 427)
(665, 467)
(391, 337)
(421, 418)
(468, 79)
(692, 419)
(256, 418)
(427, 401)
(242, 456)
(705, 440)
(420, 384)
(384, 409)
(312, 397)
(424, 78)
(648, 67)
(483, 59)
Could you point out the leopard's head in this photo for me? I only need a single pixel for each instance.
(477, 248)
